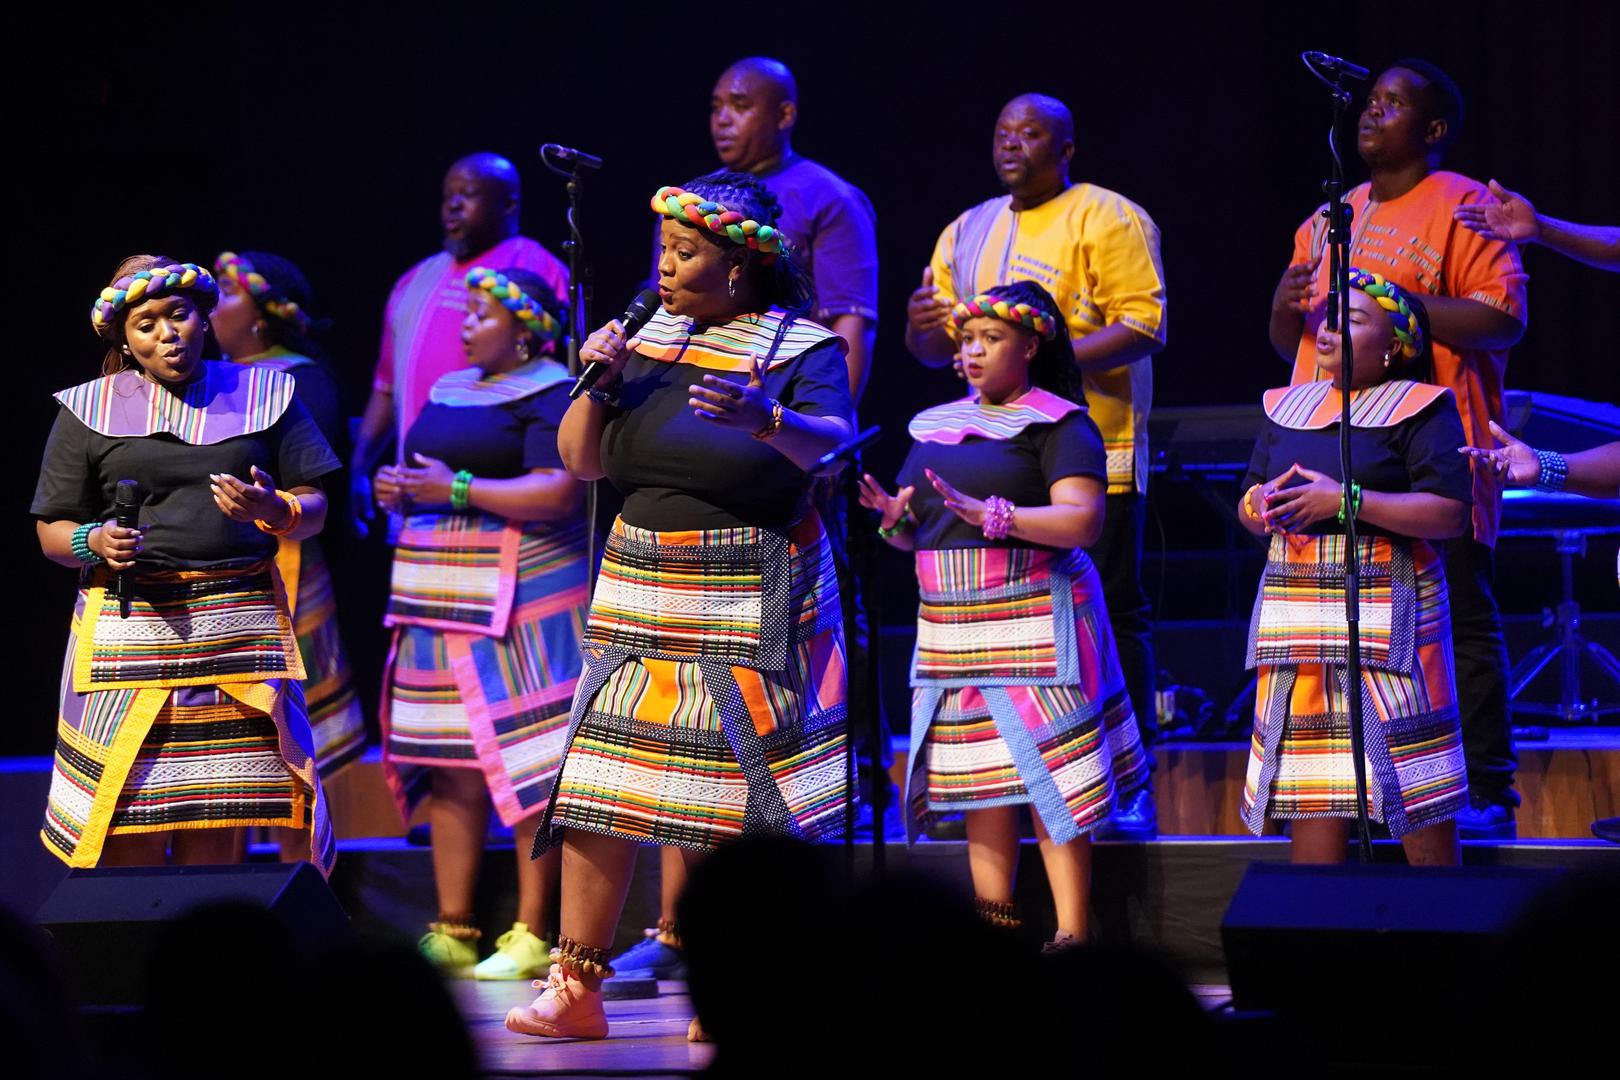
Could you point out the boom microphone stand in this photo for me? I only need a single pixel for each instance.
(569, 163)
(1334, 73)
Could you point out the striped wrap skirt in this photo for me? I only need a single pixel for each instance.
(712, 704)
(335, 715)
(189, 714)
(1017, 692)
(1300, 761)
(487, 617)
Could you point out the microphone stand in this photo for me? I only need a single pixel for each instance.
(579, 317)
(1339, 215)
(861, 565)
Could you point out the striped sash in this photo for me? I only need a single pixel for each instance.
(188, 628)
(1299, 610)
(968, 417)
(773, 337)
(996, 615)
(454, 572)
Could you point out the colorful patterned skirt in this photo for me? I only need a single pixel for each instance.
(189, 714)
(712, 704)
(1017, 691)
(1300, 762)
(335, 715)
(494, 694)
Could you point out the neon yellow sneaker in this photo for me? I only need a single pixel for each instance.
(453, 956)
(518, 955)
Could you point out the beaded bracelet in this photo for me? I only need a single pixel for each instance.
(998, 518)
(295, 514)
(1355, 503)
(1248, 503)
(81, 544)
(607, 398)
(899, 525)
(1554, 470)
(770, 430)
(461, 490)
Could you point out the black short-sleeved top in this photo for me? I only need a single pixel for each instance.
(184, 529)
(493, 441)
(318, 390)
(1021, 469)
(1416, 454)
(678, 472)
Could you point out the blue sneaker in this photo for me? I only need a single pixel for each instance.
(650, 959)
(1136, 817)
(1487, 821)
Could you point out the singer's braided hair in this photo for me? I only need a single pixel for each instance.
(281, 293)
(140, 278)
(1053, 367)
(778, 279)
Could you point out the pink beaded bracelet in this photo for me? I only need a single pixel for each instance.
(998, 518)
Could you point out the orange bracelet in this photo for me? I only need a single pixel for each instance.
(1248, 505)
(295, 511)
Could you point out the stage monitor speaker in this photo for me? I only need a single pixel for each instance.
(104, 921)
(1324, 940)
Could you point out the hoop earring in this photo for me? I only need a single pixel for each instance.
(731, 287)
(523, 352)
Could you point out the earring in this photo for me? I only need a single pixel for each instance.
(523, 352)
(1389, 358)
(731, 287)
(258, 330)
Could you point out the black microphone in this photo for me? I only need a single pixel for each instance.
(1335, 66)
(127, 509)
(567, 155)
(844, 453)
(635, 316)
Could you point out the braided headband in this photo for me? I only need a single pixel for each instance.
(1392, 299)
(150, 284)
(681, 205)
(232, 266)
(544, 325)
(986, 306)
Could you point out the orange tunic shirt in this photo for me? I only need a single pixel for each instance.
(1414, 242)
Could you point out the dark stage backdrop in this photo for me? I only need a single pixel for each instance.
(323, 135)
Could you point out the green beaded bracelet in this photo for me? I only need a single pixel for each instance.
(461, 490)
(1355, 503)
(898, 527)
(81, 544)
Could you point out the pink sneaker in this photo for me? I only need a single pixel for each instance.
(566, 1009)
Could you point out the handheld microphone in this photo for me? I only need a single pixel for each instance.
(1335, 67)
(567, 155)
(127, 509)
(635, 316)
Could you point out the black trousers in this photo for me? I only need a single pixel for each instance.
(1482, 672)
(1118, 557)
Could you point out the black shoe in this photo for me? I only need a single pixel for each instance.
(1607, 829)
(1135, 818)
(1487, 821)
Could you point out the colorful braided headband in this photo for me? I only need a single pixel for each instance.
(150, 284)
(681, 205)
(1390, 297)
(233, 267)
(544, 325)
(986, 306)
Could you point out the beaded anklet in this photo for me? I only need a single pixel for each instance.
(582, 959)
(998, 913)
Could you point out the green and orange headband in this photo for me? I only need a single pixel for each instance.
(1392, 299)
(525, 308)
(988, 306)
(682, 205)
(232, 267)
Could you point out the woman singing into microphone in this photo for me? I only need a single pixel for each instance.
(184, 721)
(712, 700)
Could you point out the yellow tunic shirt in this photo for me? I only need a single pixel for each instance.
(1097, 253)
